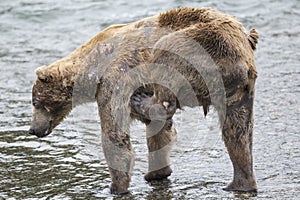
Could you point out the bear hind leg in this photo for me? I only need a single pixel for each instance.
(238, 135)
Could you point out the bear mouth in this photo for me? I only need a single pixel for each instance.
(49, 129)
(47, 132)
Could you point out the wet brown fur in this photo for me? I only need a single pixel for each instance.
(146, 41)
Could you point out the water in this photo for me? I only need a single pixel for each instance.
(69, 164)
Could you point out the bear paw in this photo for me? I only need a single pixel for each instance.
(241, 186)
(118, 189)
(158, 174)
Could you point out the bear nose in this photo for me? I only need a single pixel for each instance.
(31, 132)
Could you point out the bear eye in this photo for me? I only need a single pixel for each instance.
(36, 104)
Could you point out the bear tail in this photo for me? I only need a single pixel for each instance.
(253, 38)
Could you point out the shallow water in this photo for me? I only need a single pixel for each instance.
(69, 164)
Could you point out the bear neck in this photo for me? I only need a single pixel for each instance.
(74, 70)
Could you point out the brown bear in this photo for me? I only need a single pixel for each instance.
(146, 70)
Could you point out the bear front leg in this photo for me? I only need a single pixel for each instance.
(119, 156)
(238, 136)
(117, 150)
(160, 137)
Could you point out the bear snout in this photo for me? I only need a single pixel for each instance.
(39, 133)
(40, 130)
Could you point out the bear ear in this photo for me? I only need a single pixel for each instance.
(42, 74)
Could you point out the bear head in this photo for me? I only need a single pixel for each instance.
(51, 100)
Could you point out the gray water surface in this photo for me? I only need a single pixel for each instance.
(69, 164)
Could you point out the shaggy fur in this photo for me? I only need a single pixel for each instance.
(146, 70)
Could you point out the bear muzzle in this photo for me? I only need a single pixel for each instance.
(41, 131)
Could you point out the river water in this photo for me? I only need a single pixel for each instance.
(69, 164)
